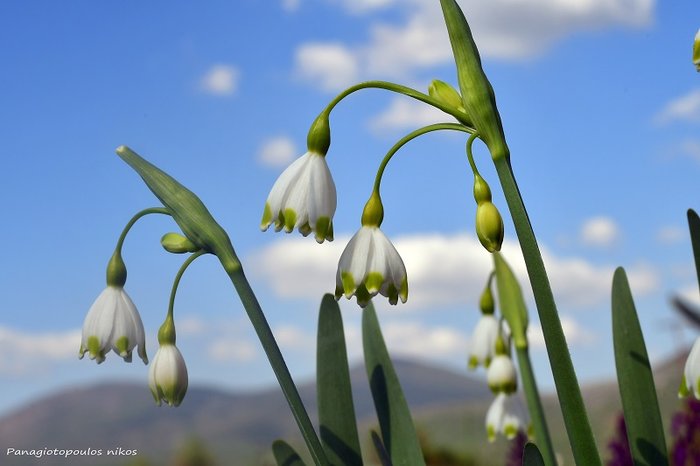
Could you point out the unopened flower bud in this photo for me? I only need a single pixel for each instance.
(696, 51)
(177, 244)
(448, 95)
(486, 303)
(489, 226)
(482, 192)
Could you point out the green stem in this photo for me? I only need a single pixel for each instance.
(178, 276)
(575, 417)
(534, 405)
(410, 136)
(135, 218)
(267, 339)
(470, 156)
(405, 90)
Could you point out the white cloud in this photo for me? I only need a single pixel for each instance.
(683, 108)
(407, 114)
(227, 349)
(670, 235)
(24, 352)
(443, 270)
(329, 66)
(220, 80)
(291, 5)
(503, 29)
(600, 232)
(574, 332)
(277, 151)
(191, 326)
(419, 340)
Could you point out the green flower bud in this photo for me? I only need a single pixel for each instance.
(486, 302)
(319, 138)
(489, 226)
(482, 192)
(373, 213)
(696, 51)
(443, 92)
(477, 93)
(177, 244)
(116, 270)
(187, 210)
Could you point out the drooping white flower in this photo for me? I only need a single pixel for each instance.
(483, 343)
(691, 374)
(303, 197)
(501, 375)
(507, 416)
(369, 265)
(113, 323)
(167, 376)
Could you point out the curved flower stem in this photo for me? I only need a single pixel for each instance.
(575, 417)
(267, 339)
(405, 90)
(534, 405)
(410, 136)
(135, 218)
(178, 276)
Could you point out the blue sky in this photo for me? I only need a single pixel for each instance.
(600, 104)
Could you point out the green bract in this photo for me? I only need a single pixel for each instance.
(477, 93)
(177, 244)
(187, 209)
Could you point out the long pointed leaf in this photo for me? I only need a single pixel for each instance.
(694, 226)
(398, 432)
(379, 448)
(285, 454)
(639, 402)
(336, 412)
(532, 456)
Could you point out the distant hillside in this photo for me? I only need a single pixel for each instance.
(238, 425)
(449, 411)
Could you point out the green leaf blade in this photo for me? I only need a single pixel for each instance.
(395, 422)
(636, 382)
(336, 412)
(694, 226)
(532, 456)
(285, 454)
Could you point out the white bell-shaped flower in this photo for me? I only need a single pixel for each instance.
(483, 342)
(303, 197)
(507, 416)
(691, 374)
(113, 323)
(501, 374)
(167, 376)
(369, 265)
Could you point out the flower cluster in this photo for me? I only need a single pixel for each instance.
(114, 323)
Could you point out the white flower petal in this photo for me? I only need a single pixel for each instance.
(692, 369)
(167, 376)
(501, 375)
(483, 342)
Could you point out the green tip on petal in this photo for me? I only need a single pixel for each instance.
(266, 218)
(403, 292)
(683, 389)
(393, 294)
(348, 284)
(324, 229)
(290, 219)
(473, 362)
(374, 282)
(510, 431)
(305, 229)
(122, 346)
(490, 433)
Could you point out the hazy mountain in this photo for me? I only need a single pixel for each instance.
(112, 415)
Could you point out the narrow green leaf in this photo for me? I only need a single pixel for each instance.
(694, 225)
(336, 411)
(379, 448)
(394, 417)
(636, 382)
(511, 301)
(285, 454)
(532, 456)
